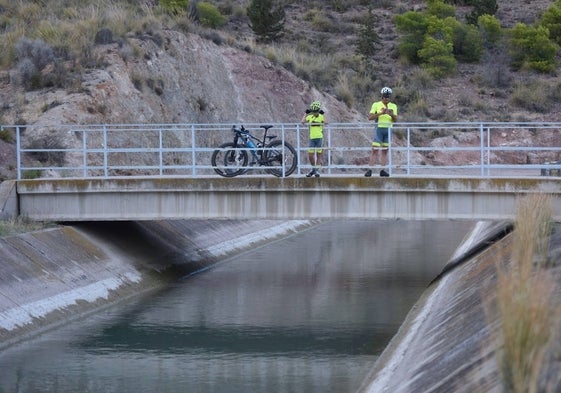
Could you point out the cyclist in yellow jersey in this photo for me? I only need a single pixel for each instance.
(384, 113)
(315, 118)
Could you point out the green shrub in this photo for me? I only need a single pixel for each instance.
(481, 7)
(436, 54)
(551, 19)
(267, 19)
(437, 59)
(490, 30)
(531, 48)
(440, 9)
(174, 7)
(413, 27)
(468, 44)
(209, 15)
(6, 135)
(368, 41)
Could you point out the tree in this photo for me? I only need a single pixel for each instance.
(481, 7)
(530, 47)
(551, 19)
(368, 40)
(267, 19)
(413, 26)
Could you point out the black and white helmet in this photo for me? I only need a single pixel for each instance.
(386, 92)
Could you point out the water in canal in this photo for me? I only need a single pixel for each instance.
(309, 313)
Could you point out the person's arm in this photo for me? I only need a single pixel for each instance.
(373, 115)
(304, 119)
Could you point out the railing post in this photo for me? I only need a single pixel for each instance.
(18, 153)
(488, 151)
(160, 152)
(482, 149)
(328, 149)
(105, 160)
(408, 151)
(298, 147)
(193, 151)
(390, 150)
(84, 154)
(283, 167)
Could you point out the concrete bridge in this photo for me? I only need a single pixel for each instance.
(337, 197)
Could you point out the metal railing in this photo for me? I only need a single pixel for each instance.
(416, 149)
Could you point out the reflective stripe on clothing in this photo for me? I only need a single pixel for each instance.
(316, 145)
(316, 125)
(381, 137)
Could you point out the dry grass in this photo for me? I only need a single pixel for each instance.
(528, 314)
(19, 225)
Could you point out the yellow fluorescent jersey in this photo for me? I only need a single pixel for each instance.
(384, 121)
(316, 125)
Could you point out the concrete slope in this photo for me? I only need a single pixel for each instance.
(51, 276)
(445, 343)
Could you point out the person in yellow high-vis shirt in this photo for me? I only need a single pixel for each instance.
(315, 118)
(384, 113)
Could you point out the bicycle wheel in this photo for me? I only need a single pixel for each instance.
(229, 160)
(279, 155)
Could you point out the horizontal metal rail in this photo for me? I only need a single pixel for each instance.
(480, 149)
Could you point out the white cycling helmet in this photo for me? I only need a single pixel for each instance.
(386, 92)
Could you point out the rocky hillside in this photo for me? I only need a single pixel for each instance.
(168, 76)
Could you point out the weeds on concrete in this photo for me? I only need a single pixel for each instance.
(18, 225)
(527, 311)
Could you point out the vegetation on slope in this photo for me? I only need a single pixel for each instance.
(433, 53)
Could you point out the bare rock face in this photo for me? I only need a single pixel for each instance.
(180, 78)
(171, 78)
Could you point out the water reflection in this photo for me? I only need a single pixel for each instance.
(306, 314)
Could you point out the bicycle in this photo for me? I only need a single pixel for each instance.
(232, 158)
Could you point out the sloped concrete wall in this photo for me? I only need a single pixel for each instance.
(446, 343)
(8, 200)
(50, 276)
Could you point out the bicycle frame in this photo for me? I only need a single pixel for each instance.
(256, 148)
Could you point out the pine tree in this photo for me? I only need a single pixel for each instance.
(267, 19)
(368, 40)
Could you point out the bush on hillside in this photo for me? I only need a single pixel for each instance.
(267, 19)
(437, 58)
(468, 44)
(551, 19)
(368, 41)
(440, 9)
(437, 52)
(209, 15)
(481, 7)
(174, 7)
(531, 48)
(413, 27)
(490, 30)
(32, 57)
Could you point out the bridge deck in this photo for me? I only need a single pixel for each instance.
(336, 197)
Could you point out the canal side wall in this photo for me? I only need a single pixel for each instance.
(446, 343)
(51, 276)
